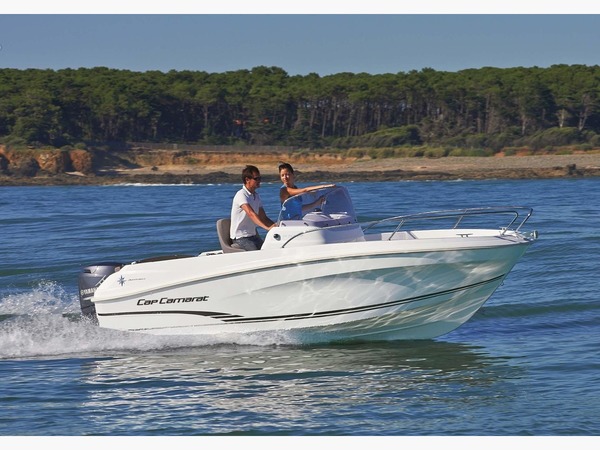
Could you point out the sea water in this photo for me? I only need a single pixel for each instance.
(527, 364)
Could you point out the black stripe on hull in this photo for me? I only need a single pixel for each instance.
(217, 315)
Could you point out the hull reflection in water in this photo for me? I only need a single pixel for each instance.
(323, 277)
(289, 388)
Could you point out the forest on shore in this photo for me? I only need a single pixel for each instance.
(468, 112)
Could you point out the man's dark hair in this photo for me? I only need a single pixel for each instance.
(249, 172)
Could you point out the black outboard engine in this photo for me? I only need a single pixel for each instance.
(89, 280)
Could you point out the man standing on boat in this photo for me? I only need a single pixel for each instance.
(247, 212)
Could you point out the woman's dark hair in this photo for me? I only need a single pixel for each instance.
(286, 166)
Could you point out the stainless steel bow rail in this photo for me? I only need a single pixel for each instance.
(515, 214)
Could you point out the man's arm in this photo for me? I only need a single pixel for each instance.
(259, 219)
(263, 216)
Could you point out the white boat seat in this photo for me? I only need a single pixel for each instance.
(223, 233)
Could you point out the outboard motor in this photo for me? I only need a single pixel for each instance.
(89, 280)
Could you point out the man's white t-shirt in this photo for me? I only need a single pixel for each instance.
(241, 224)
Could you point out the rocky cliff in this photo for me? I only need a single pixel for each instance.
(32, 162)
(43, 162)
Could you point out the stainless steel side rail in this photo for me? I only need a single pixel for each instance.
(515, 212)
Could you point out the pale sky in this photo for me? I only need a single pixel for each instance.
(229, 38)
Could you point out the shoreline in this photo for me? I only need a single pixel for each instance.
(389, 169)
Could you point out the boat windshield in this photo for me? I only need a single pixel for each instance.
(332, 201)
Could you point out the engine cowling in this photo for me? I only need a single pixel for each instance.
(90, 278)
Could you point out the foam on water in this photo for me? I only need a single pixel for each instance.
(48, 297)
(47, 321)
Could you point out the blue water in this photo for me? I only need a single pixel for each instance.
(528, 363)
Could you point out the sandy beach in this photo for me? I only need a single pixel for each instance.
(459, 164)
(542, 166)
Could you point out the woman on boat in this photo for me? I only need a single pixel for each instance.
(293, 209)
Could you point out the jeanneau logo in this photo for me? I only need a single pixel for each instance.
(121, 280)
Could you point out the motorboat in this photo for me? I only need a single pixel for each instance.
(321, 276)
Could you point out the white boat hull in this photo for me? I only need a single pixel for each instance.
(368, 290)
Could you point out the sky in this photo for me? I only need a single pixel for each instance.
(346, 38)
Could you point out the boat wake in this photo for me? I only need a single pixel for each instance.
(47, 322)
